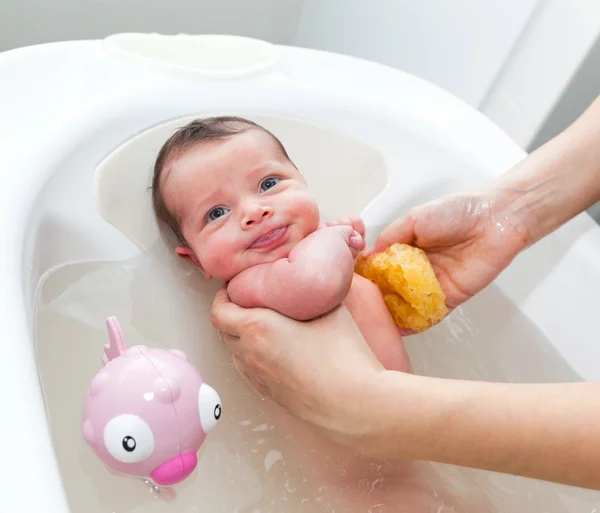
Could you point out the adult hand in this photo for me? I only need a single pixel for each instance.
(316, 370)
(323, 372)
(468, 238)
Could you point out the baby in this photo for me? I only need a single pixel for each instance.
(243, 213)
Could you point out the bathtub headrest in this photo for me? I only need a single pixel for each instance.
(325, 158)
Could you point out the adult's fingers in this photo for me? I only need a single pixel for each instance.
(405, 332)
(401, 230)
(226, 316)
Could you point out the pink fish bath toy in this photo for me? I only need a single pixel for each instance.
(148, 411)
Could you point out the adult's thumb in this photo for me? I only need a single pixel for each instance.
(226, 316)
(401, 230)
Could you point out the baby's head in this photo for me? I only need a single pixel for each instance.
(229, 191)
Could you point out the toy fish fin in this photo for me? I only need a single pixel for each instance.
(116, 346)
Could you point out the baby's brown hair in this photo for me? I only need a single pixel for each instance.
(183, 139)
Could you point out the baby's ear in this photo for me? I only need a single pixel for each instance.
(187, 253)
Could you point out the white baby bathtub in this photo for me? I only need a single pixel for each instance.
(382, 139)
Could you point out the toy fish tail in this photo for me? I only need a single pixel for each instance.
(116, 345)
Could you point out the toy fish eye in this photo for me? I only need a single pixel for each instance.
(209, 407)
(129, 444)
(128, 438)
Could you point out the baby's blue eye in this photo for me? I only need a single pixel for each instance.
(268, 183)
(217, 212)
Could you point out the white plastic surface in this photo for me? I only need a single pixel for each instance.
(212, 56)
(431, 143)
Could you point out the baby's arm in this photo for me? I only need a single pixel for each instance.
(314, 279)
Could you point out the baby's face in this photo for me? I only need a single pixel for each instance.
(239, 202)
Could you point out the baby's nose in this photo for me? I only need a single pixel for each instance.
(256, 214)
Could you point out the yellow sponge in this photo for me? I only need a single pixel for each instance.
(408, 284)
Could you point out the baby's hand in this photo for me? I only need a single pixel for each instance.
(354, 221)
(355, 238)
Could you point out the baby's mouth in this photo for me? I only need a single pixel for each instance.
(269, 238)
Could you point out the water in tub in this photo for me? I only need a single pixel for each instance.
(258, 459)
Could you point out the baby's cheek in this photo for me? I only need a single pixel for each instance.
(217, 264)
(220, 258)
(305, 208)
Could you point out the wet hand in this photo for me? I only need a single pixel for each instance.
(309, 368)
(469, 239)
